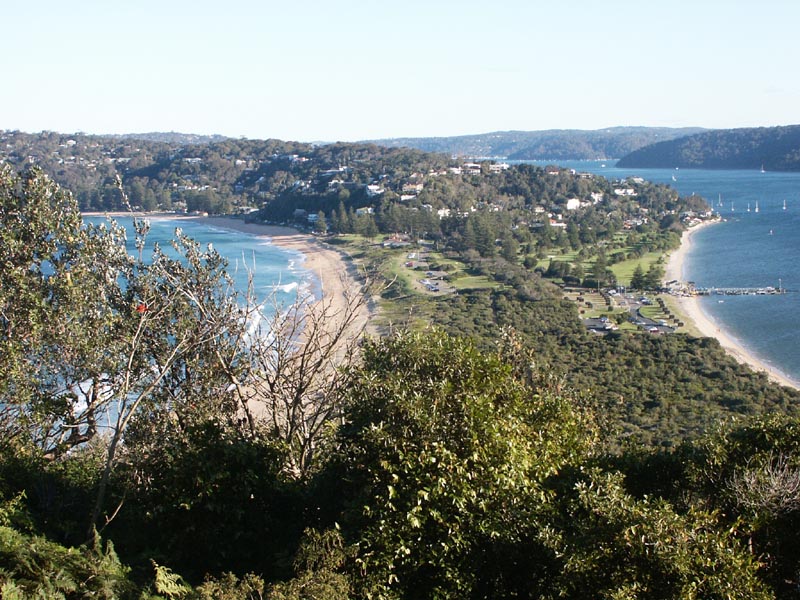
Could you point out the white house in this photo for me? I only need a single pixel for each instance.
(374, 190)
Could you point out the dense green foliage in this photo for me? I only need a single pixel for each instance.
(770, 148)
(658, 389)
(447, 452)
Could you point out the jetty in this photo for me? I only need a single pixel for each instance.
(689, 288)
(739, 291)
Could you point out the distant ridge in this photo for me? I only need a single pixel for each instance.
(171, 137)
(556, 144)
(770, 148)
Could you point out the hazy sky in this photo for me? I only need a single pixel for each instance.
(360, 69)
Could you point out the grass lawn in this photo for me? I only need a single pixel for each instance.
(473, 282)
(652, 312)
(570, 257)
(439, 259)
(623, 271)
(397, 270)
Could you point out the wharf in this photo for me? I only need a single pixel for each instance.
(718, 291)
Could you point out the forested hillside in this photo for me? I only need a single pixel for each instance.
(769, 148)
(553, 144)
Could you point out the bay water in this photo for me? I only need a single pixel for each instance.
(273, 270)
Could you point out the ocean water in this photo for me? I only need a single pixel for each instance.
(273, 270)
(748, 249)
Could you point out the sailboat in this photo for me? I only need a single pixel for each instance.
(756, 205)
(674, 178)
(748, 207)
(732, 209)
(784, 205)
(719, 200)
(762, 168)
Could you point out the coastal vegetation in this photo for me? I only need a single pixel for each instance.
(767, 148)
(486, 445)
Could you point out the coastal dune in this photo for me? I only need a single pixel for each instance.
(689, 307)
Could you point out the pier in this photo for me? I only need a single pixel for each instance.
(743, 291)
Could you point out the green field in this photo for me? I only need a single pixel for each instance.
(473, 282)
(623, 271)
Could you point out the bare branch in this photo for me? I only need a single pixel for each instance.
(771, 485)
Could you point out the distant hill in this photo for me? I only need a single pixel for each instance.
(171, 137)
(561, 144)
(773, 148)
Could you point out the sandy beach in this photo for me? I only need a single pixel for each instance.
(689, 307)
(336, 281)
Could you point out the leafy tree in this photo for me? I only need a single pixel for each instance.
(619, 547)
(600, 272)
(318, 566)
(748, 470)
(108, 333)
(63, 314)
(448, 451)
(322, 223)
(204, 496)
(510, 248)
(638, 281)
(654, 277)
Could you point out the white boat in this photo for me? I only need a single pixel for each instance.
(784, 205)
(748, 207)
(762, 168)
(756, 205)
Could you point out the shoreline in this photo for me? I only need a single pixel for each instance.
(336, 281)
(691, 311)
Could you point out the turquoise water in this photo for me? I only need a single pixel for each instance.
(273, 269)
(748, 249)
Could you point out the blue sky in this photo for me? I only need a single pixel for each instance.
(351, 70)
